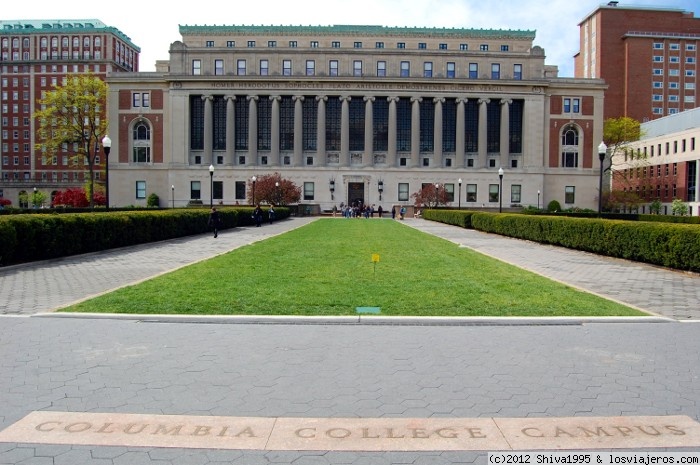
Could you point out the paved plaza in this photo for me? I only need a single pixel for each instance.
(344, 371)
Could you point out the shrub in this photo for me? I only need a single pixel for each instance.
(153, 200)
(554, 206)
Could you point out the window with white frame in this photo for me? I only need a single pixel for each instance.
(333, 68)
(310, 67)
(308, 191)
(140, 189)
(218, 67)
(403, 192)
(241, 67)
(286, 67)
(570, 194)
(196, 67)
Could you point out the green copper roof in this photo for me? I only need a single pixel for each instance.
(60, 26)
(360, 30)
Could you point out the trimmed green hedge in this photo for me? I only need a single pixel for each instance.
(670, 245)
(30, 237)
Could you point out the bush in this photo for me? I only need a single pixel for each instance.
(554, 206)
(153, 200)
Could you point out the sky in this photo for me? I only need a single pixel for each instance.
(153, 26)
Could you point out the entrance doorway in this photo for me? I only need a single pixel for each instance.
(356, 193)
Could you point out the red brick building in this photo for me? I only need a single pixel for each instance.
(648, 57)
(36, 55)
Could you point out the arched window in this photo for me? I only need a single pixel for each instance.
(569, 146)
(141, 142)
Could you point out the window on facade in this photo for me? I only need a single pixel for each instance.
(264, 67)
(505, 48)
(473, 70)
(493, 192)
(241, 67)
(518, 72)
(140, 189)
(422, 45)
(314, 44)
(310, 67)
(286, 67)
(333, 68)
(196, 67)
(515, 190)
(141, 142)
(484, 47)
(357, 68)
(405, 69)
(335, 44)
(569, 194)
(450, 71)
(464, 46)
(495, 71)
(428, 69)
(218, 67)
(195, 190)
(379, 45)
(209, 43)
(251, 44)
(230, 43)
(357, 45)
(471, 192)
(401, 45)
(403, 192)
(381, 68)
(292, 44)
(658, 46)
(136, 100)
(272, 43)
(308, 191)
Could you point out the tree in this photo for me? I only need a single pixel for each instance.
(272, 189)
(431, 195)
(679, 207)
(618, 135)
(38, 198)
(71, 120)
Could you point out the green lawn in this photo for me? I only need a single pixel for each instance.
(327, 268)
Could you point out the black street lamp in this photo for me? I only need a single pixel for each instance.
(459, 194)
(211, 186)
(380, 188)
(331, 186)
(253, 179)
(172, 189)
(277, 192)
(437, 194)
(538, 199)
(500, 190)
(107, 145)
(602, 151)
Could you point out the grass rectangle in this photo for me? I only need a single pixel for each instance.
(330, 267)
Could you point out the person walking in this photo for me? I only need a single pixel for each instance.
(393, 212)
(214, 221)
(271, 213)
(380, 210)
(258, 215)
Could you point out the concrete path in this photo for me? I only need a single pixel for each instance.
(587, 370)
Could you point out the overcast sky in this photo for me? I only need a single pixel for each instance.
(153, 26)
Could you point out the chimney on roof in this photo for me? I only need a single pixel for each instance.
(613, 4)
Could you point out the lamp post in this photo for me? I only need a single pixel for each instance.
(380, 188)
(211, 186)
(277, 191)
(253, 179)
(500, 190)
(34, 199)
(437, 192)
(538, 199)
(172, 195)
(107, 145)
(331, 186)
(602, 150)
(459, 194)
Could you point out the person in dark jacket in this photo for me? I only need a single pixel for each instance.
(214, 221)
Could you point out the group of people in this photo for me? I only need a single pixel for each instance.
(358, 210)
(258, 214)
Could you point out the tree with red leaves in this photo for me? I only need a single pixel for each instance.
(273, 189)
(431, 196)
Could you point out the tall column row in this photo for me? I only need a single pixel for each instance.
(344, 156)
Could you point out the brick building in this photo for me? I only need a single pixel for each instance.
(35, 56)
(647, 56)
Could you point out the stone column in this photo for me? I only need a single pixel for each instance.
(275, 131)
(252, 158)
(460, 147)
(208, 155)
(391, 152)
(505, 131)
(369, 131)
(345, 131)
(415, 131)
(298, 130)
(437, 132)
(321, 130)
(483, 119)
(230, 130)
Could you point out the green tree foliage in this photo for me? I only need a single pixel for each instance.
(431, 196)
(618, 135)
(679, 207)
(71, 119)
(273, 189)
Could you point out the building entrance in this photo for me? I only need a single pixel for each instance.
(356, 193)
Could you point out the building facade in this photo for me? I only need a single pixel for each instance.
(35, 56)
(355, 114)
(647, 56)
(664, 164)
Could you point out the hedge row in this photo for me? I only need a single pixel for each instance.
(25, 238)
(665, 244)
